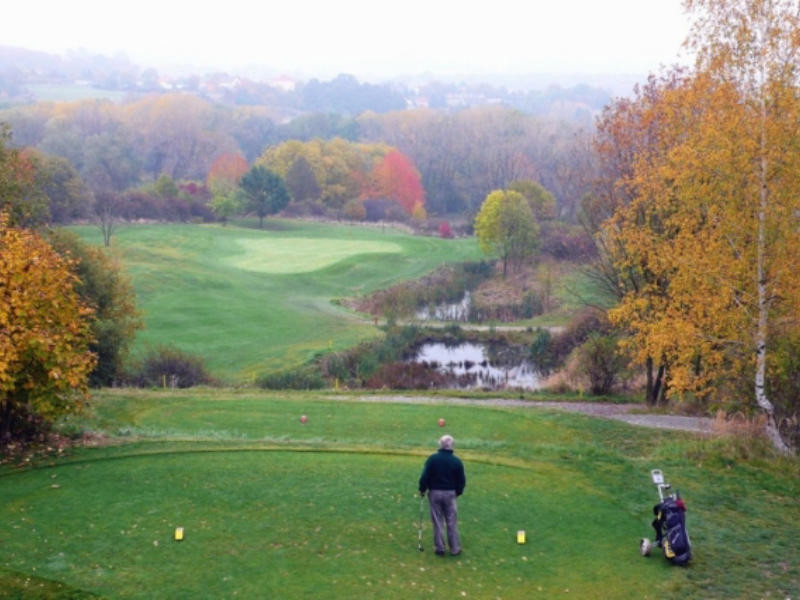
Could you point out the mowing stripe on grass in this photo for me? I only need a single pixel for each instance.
(67, 461)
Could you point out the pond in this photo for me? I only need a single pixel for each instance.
(480, 366)
(452, 311)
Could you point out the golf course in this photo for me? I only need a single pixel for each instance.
(398, 303)
(250, 301)
(275, 508)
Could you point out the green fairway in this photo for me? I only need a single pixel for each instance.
(273, 508)
(254, 301)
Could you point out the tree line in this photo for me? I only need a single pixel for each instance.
(461, 156)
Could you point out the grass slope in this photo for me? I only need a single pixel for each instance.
(251, 301)
(273, 508)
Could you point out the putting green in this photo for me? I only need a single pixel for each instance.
(303, 254)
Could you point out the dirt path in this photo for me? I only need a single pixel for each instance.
(629, 413)
(554, 329)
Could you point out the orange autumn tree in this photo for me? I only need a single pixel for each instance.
(222, 180)
(395, 177)
(630, 133)
(228, 167)
(712, 211)
(44, 334)
(631, 221)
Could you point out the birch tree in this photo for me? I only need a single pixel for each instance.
(754, 46)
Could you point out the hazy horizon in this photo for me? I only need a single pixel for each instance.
(578, 38)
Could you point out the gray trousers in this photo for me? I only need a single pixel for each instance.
(444, 510)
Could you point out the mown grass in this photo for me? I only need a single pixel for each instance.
(273, 508)
(254, 301)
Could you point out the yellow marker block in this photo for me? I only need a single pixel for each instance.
(178, 534)
(521, 536)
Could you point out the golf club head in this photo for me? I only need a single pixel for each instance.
(420, 548)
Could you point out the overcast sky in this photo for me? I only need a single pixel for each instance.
(376, 38)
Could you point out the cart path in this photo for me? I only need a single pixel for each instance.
(425, 324)
(629, 413)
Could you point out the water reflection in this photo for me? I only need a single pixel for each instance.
(453, 311)
(476, 366)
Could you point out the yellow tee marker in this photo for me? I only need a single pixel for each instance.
(179, 534)
(521, 536)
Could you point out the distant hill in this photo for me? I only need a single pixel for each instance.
(28, 76)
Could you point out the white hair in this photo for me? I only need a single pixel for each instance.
(446, 442)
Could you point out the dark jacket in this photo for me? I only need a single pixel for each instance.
(443, 471)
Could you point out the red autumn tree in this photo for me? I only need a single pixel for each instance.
(444, 230)
(395, 177)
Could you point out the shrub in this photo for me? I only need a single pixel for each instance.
(406, 376)
(454, 332)
(376, 208)
(186, 206)
(169, 366)
(540, 349)
(445, 231)
(784, 386)
(354, 210)
(337, 365)
(302, 208)
(396, 302)
(366, 365)
(306, 378)
(531, 305)
(567, 242)
(599, 359)
(577, 332)
(356, 366)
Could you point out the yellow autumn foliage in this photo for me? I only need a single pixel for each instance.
(709, 223)
(44, 331)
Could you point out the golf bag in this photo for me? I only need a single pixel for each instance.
(671, 533)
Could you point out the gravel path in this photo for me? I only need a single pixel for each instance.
(554, 329)
(619, 412)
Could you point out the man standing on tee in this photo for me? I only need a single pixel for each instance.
(444, 476)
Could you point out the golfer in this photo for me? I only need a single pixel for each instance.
(444, 476)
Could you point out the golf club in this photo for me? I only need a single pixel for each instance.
(421, 514)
